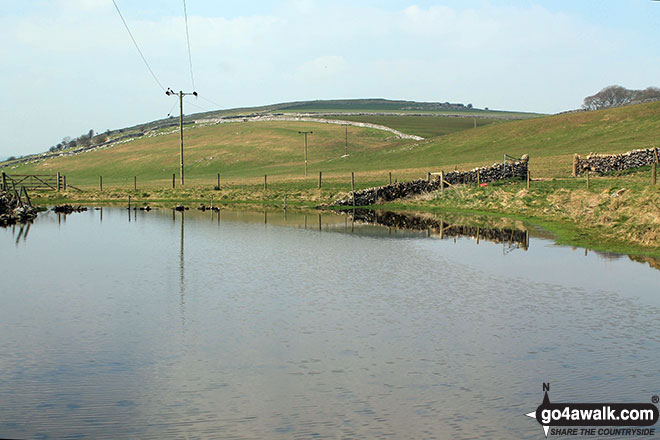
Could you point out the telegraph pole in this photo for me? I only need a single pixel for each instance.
(305, 133)
(181, 94)
(346, 145)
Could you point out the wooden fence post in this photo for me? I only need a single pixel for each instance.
(265, 182)
(428, 176)
(653, 173)
(390, 177)
(527, 178)
(135, 183)
(173, 180)
(218, 180)
(100, 183)
(58, 181)
(64, 183)
(442, 180)
(478, 177)
(4, 181)
(320, 174)
(353, 186)
(587, 178)
(576, 160)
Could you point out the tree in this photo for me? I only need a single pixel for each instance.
(614, 96)
(90, 133)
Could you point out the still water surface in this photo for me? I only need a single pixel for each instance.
(250, 325)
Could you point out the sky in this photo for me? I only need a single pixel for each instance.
(69, 66)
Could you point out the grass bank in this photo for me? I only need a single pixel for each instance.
(616, 214)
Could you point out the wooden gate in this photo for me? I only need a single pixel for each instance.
(32, 181)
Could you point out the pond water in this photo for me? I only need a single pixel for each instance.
(270, 325)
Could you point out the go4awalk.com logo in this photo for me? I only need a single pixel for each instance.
(596, 419)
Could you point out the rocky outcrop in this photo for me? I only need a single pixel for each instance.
(604, 163)
(499, 171)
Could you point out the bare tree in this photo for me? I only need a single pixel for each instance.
(613, 96)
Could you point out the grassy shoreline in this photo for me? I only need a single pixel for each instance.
(616, 214)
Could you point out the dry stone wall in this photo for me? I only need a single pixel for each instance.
(498, 171)
(603, 163)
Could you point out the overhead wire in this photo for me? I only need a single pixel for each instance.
(172, 109)
(136, 46)
(185, 14)
(209, 101)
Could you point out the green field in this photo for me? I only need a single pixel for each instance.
(250, 150)
(243, 152)
(424, 126)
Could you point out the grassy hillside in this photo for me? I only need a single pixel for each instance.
(250, 150)
(424, 126)
(551, 141)
(245, 150)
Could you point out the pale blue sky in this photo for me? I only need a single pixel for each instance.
(69, 65)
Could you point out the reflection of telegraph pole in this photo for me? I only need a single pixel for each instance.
(171, 92)
(305, 133)
(182, 303)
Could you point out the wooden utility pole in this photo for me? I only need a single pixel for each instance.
(181, 94)
(305, 133)
(346, 145)
(181, 132)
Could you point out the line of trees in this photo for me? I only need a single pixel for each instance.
(84, 140)
(614, 96)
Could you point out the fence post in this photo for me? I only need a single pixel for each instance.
(353, 186)
(135, 183)
(64, 182)
(527, 178)
(653, 173)
(478, 178)
(390, 177)
(58, 181)
(4, 181)
(320, 174)
(100, 183)
(576, 160)
(218, 180)
(442, 180)
(173, 180)
(265, 182)
(587, 178)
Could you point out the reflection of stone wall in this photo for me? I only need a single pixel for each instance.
(440, 228)
(603, 163)
(498, 171)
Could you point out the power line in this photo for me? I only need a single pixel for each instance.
(209, 101)
(199, 107)
(136, 45)
(170, 112)
(185, 14)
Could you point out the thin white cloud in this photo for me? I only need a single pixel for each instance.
(519, 58)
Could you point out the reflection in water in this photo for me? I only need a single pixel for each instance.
(287, 333)
(515, 238)
(182, 283)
